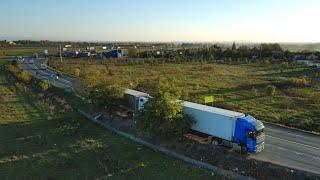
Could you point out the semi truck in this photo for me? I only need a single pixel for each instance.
(228, 128)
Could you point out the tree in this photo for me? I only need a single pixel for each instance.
(108, 94)
(234, 47)
(162, 115)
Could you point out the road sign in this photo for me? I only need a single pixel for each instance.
(208, 99)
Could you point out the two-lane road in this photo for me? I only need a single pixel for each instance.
(283, 146)
(47, 75)
(291, 148)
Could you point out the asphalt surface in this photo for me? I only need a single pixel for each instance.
(287, 147)
(48, 75)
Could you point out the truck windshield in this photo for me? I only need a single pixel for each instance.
(255, 134)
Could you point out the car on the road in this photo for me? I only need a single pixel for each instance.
(43, 66)
(20, 58)
(54, 76)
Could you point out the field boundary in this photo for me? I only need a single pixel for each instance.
(157, 148)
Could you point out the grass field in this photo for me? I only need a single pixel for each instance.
(236, 87)
(11, 52)
(38, 140)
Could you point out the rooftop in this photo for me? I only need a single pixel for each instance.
(212, 109)
(135, 93)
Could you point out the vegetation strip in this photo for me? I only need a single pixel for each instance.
(163, 150)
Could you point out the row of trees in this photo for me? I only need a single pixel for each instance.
(215, 52)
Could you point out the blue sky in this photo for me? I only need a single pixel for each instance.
(161, 20)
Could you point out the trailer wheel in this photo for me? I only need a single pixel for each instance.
(130, 114)
(215, 142)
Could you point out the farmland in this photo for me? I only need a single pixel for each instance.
(40, 140)
(240, 87)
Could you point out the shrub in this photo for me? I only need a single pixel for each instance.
(254, 91)
(109, 95)
(284, 65)
(12, 69)
(300, 82)
(162, 115)
(14, 63)
(24, 76)
(44, 86)
(77, 72)
(271, 90)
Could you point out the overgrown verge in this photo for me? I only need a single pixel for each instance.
(241, 87)
(55, 143)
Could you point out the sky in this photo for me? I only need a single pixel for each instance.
(161, 20)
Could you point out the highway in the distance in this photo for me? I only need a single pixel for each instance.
(287, 147)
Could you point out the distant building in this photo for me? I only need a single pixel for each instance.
(12, 43)
(91, 48)
(68, 46)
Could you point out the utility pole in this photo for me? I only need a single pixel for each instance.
(60, 53)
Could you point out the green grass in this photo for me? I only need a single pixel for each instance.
(240, 87)
(10, 52)
(39, 140)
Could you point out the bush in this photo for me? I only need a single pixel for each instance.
(24, 76)
(162, 115)
(271, 90)
(284, 65)
(44, 86)
(77, 72)
(12, 69)
(14, 63)
(300, 82)
(254, 91)
(109, 95)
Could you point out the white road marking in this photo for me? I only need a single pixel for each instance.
(305, 145)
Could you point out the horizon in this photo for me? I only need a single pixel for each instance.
(160, 21)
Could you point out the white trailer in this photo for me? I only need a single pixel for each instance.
(212, 121)
(135, 99)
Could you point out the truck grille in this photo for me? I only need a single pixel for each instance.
(259, 147)
(260, 138)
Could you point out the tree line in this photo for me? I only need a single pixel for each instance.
(265, 51)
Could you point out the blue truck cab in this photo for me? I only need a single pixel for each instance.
(249, 133)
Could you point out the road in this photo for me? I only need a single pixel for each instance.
(48, 75)
(287, 147)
